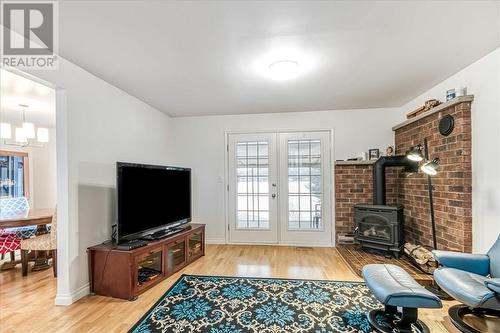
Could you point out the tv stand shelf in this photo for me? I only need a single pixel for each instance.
(126, 274)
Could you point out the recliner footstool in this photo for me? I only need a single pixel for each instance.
(395, 288)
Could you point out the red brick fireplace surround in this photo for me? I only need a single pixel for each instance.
(452, 186)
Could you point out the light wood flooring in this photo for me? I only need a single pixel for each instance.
(27, 304)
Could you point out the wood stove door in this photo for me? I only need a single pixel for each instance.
(375, 228)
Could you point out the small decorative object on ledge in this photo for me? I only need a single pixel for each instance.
(429, 104)
(421, 257)
(373, 154)
(462, 91)
(450, 94)
(389, 151)
(415, 113)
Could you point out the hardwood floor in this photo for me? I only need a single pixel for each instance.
(27, 304)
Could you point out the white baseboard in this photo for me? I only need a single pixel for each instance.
(307, 244)
(215, 241)
(284, 244)
(68, 299)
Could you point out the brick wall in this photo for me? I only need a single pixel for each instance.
(353, 185)
(452, 185)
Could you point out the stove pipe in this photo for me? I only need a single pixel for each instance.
(379, 191)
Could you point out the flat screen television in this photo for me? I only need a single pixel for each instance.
(151, 198)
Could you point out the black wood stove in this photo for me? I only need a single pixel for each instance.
(380, 226)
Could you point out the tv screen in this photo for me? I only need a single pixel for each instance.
(151, 197)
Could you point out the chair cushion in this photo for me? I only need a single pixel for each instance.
(466, 287)
(38, 243)
(475, 263)
(493, 284)
(14, 206)
(9, 245)
(19, 232)
(392, 285)
(494, 254)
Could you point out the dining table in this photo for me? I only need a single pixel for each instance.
(32, 217)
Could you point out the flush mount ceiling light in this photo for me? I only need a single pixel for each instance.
(282, 62)
(284, 70)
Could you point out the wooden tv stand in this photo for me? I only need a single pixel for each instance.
(126, 274)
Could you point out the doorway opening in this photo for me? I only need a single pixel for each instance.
(28, 177)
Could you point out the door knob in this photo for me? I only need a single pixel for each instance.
(273, 195)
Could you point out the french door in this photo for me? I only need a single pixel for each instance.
(279, 188)
(253, 192)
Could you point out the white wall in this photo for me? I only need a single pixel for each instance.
(97, 125)
(482, 80)
(199, 144)
(42, 171)
(44, 168)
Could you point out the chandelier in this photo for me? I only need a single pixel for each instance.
(26, 134)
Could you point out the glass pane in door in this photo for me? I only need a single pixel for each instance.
(12, 171)
(304, 185)
(252, 160)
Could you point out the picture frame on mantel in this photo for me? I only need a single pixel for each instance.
(373, 154)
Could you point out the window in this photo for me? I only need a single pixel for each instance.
(304, 185)
(252, 160)
(14, 174)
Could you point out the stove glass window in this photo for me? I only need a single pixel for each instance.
(370, 228)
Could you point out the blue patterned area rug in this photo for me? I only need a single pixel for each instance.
(259, 305)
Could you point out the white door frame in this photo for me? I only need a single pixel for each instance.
(63, 292)
(278, 131)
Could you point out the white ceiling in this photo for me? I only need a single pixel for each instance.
(15, 90)
(201, 58)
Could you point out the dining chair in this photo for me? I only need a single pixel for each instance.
(9, 245)
(10, 238)
(11, 207)
(45, 242)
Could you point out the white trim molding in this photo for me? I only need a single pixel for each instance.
(70, 298)
(215, 241)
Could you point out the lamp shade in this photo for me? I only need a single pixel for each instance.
(42, 134)
(5, 131)
(29, 130)
(430, 167)
(415, 154)
(20, 136)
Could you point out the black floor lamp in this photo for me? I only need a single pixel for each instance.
(429, 167)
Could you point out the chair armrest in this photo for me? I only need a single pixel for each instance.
(474, 263)
(493, 284)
